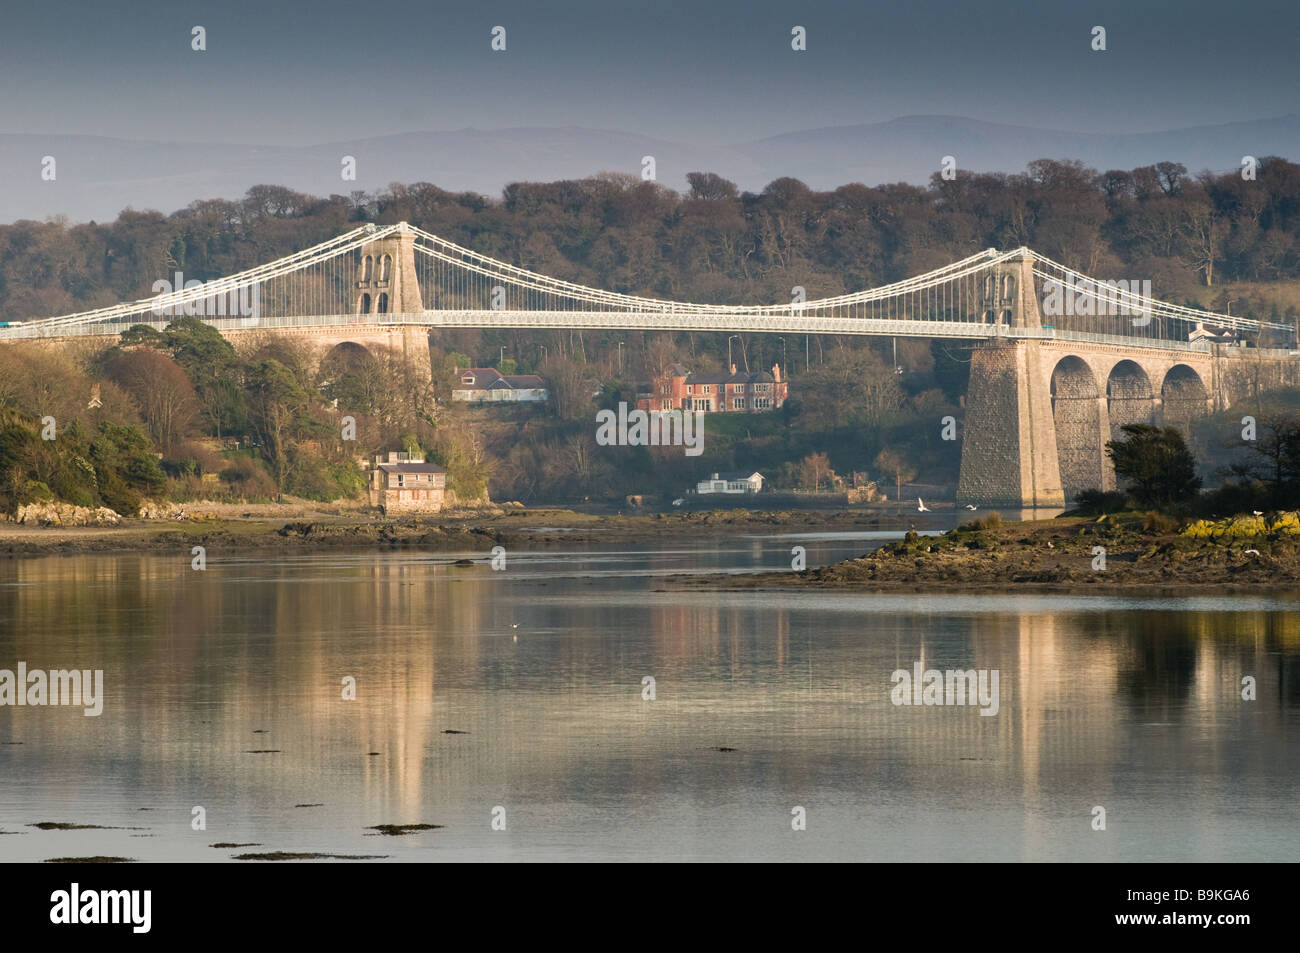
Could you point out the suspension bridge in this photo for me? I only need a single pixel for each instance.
(1060, 362)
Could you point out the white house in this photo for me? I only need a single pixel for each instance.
(479, 384)
(731, 483)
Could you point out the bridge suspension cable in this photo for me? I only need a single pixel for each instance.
(318, 286)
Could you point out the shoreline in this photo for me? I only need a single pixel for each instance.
(1043, 556)
(1051, 556)
(461, 531)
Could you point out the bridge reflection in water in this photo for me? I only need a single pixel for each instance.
(1129, 705)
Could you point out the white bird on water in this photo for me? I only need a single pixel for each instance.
(1252, 552)
(1258, 512)
(921, 507)
(971, 508)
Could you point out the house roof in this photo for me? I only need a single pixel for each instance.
(525, 380)
(489, 378)
(737, 475)
(411, 468)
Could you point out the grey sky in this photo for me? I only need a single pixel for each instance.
(284, 74)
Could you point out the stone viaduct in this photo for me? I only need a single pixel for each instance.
(1040, 411)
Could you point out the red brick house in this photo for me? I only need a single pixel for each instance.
(733, 393)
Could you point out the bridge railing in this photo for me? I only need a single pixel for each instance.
(648, 321)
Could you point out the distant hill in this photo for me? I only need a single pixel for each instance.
(98, 176)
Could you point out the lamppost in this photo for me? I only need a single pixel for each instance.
(503, 355)
(783, 367)
(542, 358)
(729, 363)
(620, 358)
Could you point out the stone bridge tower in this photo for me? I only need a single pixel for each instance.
(386, 281)
(1009, 454)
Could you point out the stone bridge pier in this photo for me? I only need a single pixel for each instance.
(407, 343)
(1039, 412)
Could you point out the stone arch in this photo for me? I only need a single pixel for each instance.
(363, 306)
(367, 266)
(1006, 317)
(1008, 287)
(1183, 397)
(344, 359)
(386, 268)
(1129, 397)
(1076, 412)
(383, 303)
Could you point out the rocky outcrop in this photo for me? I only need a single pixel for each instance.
(65, 514)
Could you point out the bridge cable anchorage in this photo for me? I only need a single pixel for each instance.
(358, 277)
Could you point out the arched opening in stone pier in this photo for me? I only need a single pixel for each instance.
(1076, 412)
(350, 373)
(1129, 397)
(1184, 398)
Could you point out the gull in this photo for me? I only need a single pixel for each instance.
(1258, 512)
(921, 507)
(514, 625)
(1050, 545)
(679, 501)
(1252, 552)
(971, 508)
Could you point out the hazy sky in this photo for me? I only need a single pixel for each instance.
(689, 70)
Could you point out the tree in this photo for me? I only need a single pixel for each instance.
(815, 468)
(277, 403)
(161, 390)
(571, 386)
(895, 464)
(710, 186)
(1278, 466)
(1156, 464)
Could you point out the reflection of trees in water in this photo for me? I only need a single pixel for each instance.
(1161, 653)
(1165, 650)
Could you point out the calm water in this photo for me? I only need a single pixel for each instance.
(1130, 704)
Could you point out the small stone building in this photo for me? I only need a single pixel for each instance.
(402, 483)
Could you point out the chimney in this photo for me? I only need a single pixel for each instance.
(733, 368)
(776, 373)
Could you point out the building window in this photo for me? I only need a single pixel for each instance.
(688, 389)
(762, 403)
(367, 265)
(706, 389)
(386, 268)
(738, 403)
(365, 302)
(383, 303)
